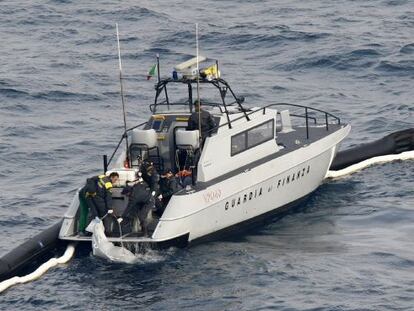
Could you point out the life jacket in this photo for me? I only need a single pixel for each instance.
(95, 183)
(104, 182)
(184, 173)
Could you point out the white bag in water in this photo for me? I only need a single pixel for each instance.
(103, 248)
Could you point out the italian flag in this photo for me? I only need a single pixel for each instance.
(151, 72)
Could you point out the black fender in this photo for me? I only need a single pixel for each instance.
(31, 251)
(394, 143)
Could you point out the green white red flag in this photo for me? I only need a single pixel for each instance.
(152, 71)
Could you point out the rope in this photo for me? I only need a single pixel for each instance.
(408, 155)
(70, 251)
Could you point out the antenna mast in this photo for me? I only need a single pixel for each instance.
(122, 94)
(198, 86)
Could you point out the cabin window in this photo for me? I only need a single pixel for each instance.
(238, 143)
(157, 125)
(252, 137)
(260, 134)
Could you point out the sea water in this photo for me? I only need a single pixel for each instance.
(350, 247)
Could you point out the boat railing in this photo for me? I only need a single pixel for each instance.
(306, 116)
(327, 115)
(185, 104)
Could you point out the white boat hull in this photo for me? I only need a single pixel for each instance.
(250, 194)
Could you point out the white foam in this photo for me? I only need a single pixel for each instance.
(70, 251)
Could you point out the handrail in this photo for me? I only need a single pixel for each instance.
(283, 104)
(204, 103)
(307, 116)
(301, 106)
(134, 127)
(300, 116)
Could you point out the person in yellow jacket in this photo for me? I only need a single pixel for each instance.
(96, 198)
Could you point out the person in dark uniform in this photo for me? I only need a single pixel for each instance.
(139, 205)
(95, 199)
(168, 186)
(207, 121)
(151, 177)
(199, 120)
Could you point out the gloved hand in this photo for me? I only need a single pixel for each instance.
(119, 220)
(159, 197)
(111, 212)
(153, 193)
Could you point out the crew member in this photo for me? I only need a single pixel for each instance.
(151, 177)
(168, 186)
(139, 205)
(207, 121)
(95, 199)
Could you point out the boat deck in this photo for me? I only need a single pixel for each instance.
(126, 237)
(298, 138)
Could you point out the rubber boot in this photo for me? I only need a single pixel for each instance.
(144, 231)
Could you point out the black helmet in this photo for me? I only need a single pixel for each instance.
(166, 171)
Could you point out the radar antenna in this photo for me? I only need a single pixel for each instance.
(198, 86)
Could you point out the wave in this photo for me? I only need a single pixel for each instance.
(33, 131)
(360, 58)
(154, 50)
(60, 1)
(75, 122)
(18, 107)
(45, 128)
(64, 95)
(407, 49)
(279, 88)
(131, 13)
(396, 2)
(23, 219)
(403, 67)
(393, 260)
(176, 38)
(55, 95)
(12, 92)
(264, 40)
(104, 39)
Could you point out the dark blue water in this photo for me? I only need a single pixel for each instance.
(350, 247)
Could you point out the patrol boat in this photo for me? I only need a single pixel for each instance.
(257, 161)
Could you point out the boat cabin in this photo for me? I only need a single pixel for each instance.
(165, 140)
